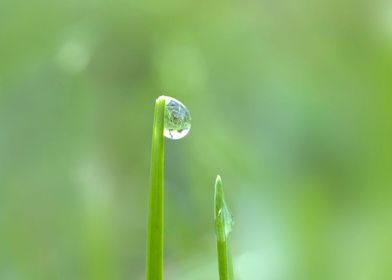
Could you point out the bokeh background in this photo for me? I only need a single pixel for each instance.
(291, 105)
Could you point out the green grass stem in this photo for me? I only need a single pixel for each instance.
(223, 226)
(154, 262)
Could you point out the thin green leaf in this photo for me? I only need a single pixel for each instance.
(154, 265)
(223, 226)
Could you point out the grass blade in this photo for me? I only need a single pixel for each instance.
(223, 226)
(154, 263)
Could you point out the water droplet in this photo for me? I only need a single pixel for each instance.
(177, 119)
(226, 221)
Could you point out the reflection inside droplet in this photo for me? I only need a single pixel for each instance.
(177, 119)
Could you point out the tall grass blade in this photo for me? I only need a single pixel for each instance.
(223, 227)
(154, 263)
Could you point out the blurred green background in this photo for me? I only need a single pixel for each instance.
(291, 105)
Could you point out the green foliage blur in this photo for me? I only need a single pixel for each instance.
(290, 103)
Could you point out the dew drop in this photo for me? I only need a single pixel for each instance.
(177, 119)
(226, 220)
